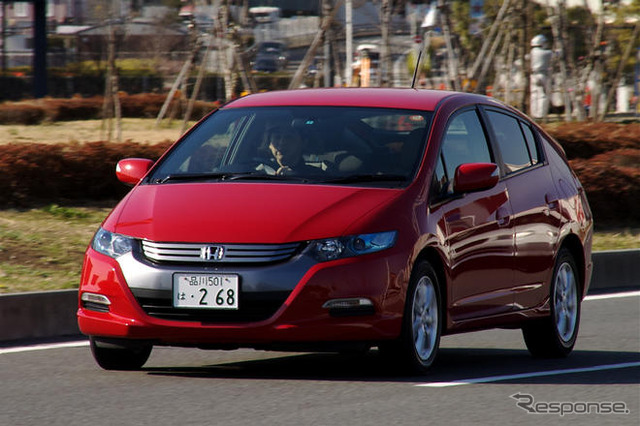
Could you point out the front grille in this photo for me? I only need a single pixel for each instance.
(218, 253)
(253, 307)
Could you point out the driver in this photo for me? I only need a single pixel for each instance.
(286, 146)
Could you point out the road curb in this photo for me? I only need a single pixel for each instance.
(53, 313)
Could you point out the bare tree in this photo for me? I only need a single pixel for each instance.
(616, 79)
(385, 56)
(308, 57)
(111, 105)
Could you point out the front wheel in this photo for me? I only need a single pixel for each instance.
(555, 336)
(418, 345)
(116, 356)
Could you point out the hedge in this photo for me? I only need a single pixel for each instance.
(585, 140)
(612, 183)
(40, 173)
(145, 105)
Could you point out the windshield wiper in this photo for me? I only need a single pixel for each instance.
(201, 176)
(227, 176)
(262, 176)
(367, 178)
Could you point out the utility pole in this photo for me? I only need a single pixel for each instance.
(4, 37)
(326, 64)
(40, 47)
(223, 24)
(383, 71)
(349, 42)
(526, 12)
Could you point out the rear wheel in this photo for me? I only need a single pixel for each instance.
(120, 356)
(418, 345)
(555, 336)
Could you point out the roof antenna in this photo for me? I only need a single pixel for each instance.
(415, 72)
(428, 23)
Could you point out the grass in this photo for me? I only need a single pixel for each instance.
(616, 239)
(42, 249)
(142, 130)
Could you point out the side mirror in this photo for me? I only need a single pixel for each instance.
(475, 177)
(132, 170)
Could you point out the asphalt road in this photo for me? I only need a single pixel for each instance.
(475, 381)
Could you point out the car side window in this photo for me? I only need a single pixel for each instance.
(515, 141)
(464, 142)
(531, 143)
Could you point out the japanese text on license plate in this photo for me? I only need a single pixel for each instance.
(206, 291)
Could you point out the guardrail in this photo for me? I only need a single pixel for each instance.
(52, 314)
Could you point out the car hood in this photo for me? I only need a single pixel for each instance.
(245, 212)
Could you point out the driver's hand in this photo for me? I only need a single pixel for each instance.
(284, 170)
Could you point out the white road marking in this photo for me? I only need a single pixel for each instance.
(613, 295)
(490, 379)
(44, 347)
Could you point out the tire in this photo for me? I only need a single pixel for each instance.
(417, 348)
(112, 356)
(555, 336)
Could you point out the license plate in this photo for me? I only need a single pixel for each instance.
(205, 291)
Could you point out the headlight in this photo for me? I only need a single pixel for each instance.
(110, 244)
(355, 245)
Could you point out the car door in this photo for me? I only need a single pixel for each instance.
(476, 226)
(534, 201)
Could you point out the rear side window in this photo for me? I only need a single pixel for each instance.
(515, 141)
(531, 143)
(464, 142)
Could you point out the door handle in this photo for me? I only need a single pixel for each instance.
(503, 217)
(552, 203)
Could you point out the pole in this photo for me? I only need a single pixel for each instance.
(385, 55)
(349, 42)
(326, 64)
(526, 11)
(4, 37)
(40, 49)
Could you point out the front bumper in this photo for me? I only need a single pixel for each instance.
(295, 290)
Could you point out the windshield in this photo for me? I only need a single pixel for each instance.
(330, 145)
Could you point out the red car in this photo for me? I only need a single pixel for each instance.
(331, 219)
